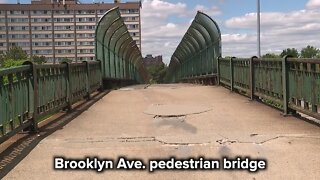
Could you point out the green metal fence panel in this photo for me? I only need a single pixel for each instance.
(224, 67)
(95, 76)
(268, 79)
(241, 73)
(197, 52)
(78, 75)
(52, 88)
(304, 85)
(16, 107)
(31, 92)
(291, 84)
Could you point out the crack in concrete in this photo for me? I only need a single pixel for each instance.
(274, 138)
(181, 144)
(224, 141)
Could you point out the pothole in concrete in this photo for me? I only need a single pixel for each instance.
(176, 110)
(225, 141)
(254, 134)
(180, 118)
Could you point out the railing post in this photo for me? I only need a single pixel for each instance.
(252, 77)
(101, 80)
(35, 85)
(285, 85)
(218, 70)
(231, 73)
(88, 96)
(69, 86)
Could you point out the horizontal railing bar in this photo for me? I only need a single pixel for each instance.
(13, 70)
(304, 60)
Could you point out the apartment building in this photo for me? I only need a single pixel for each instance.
(60, 29)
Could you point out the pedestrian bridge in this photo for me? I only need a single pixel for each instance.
(173, 120)
(214, 107)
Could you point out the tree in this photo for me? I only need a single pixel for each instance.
(66, 60)
(16, 53)
(271, 55)
(291, 52)
(309, 52)
(157, 73)
(1, 59)
(7, 63)
(39, 59)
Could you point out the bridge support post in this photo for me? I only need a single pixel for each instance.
(285, 85)
(231, 73)
(69, 86)
(88, 96)
(218, 70)
(34, 85)
(252, 77)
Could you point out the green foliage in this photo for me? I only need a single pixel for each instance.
(11, 63)
(66, 60)
(271, 103)
(271, 55)
(16, 53)
(309, 52)
(157, 73)
(290, 51)
(1, 60)
(39, 59)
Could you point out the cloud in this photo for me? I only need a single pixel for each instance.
(212, 11)
(278, 31)
(163, 25)
(159, 36)
(313, 4)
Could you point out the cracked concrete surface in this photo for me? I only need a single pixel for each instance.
(117, 126)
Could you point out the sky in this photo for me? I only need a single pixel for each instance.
(284, 24)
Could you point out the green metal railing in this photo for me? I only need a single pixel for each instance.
(290, 84)
(30, 92)
(263, 79)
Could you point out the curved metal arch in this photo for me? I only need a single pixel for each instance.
(202, 41)
(126, 47)
(183, 52)
(121, 43)
(135, 51)
(186, 46)
(115, 37)
(115, 44)
(190, 46)
(206, 21)
(176, 60)
(179, 55)
(193, 41)
(131, 50)
(187, 55)
(200, 36)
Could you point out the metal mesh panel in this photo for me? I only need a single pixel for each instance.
(197, 53)
(116, 49)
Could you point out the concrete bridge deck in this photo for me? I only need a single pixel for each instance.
(187, 121)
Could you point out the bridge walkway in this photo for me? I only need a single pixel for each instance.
(184, 121)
